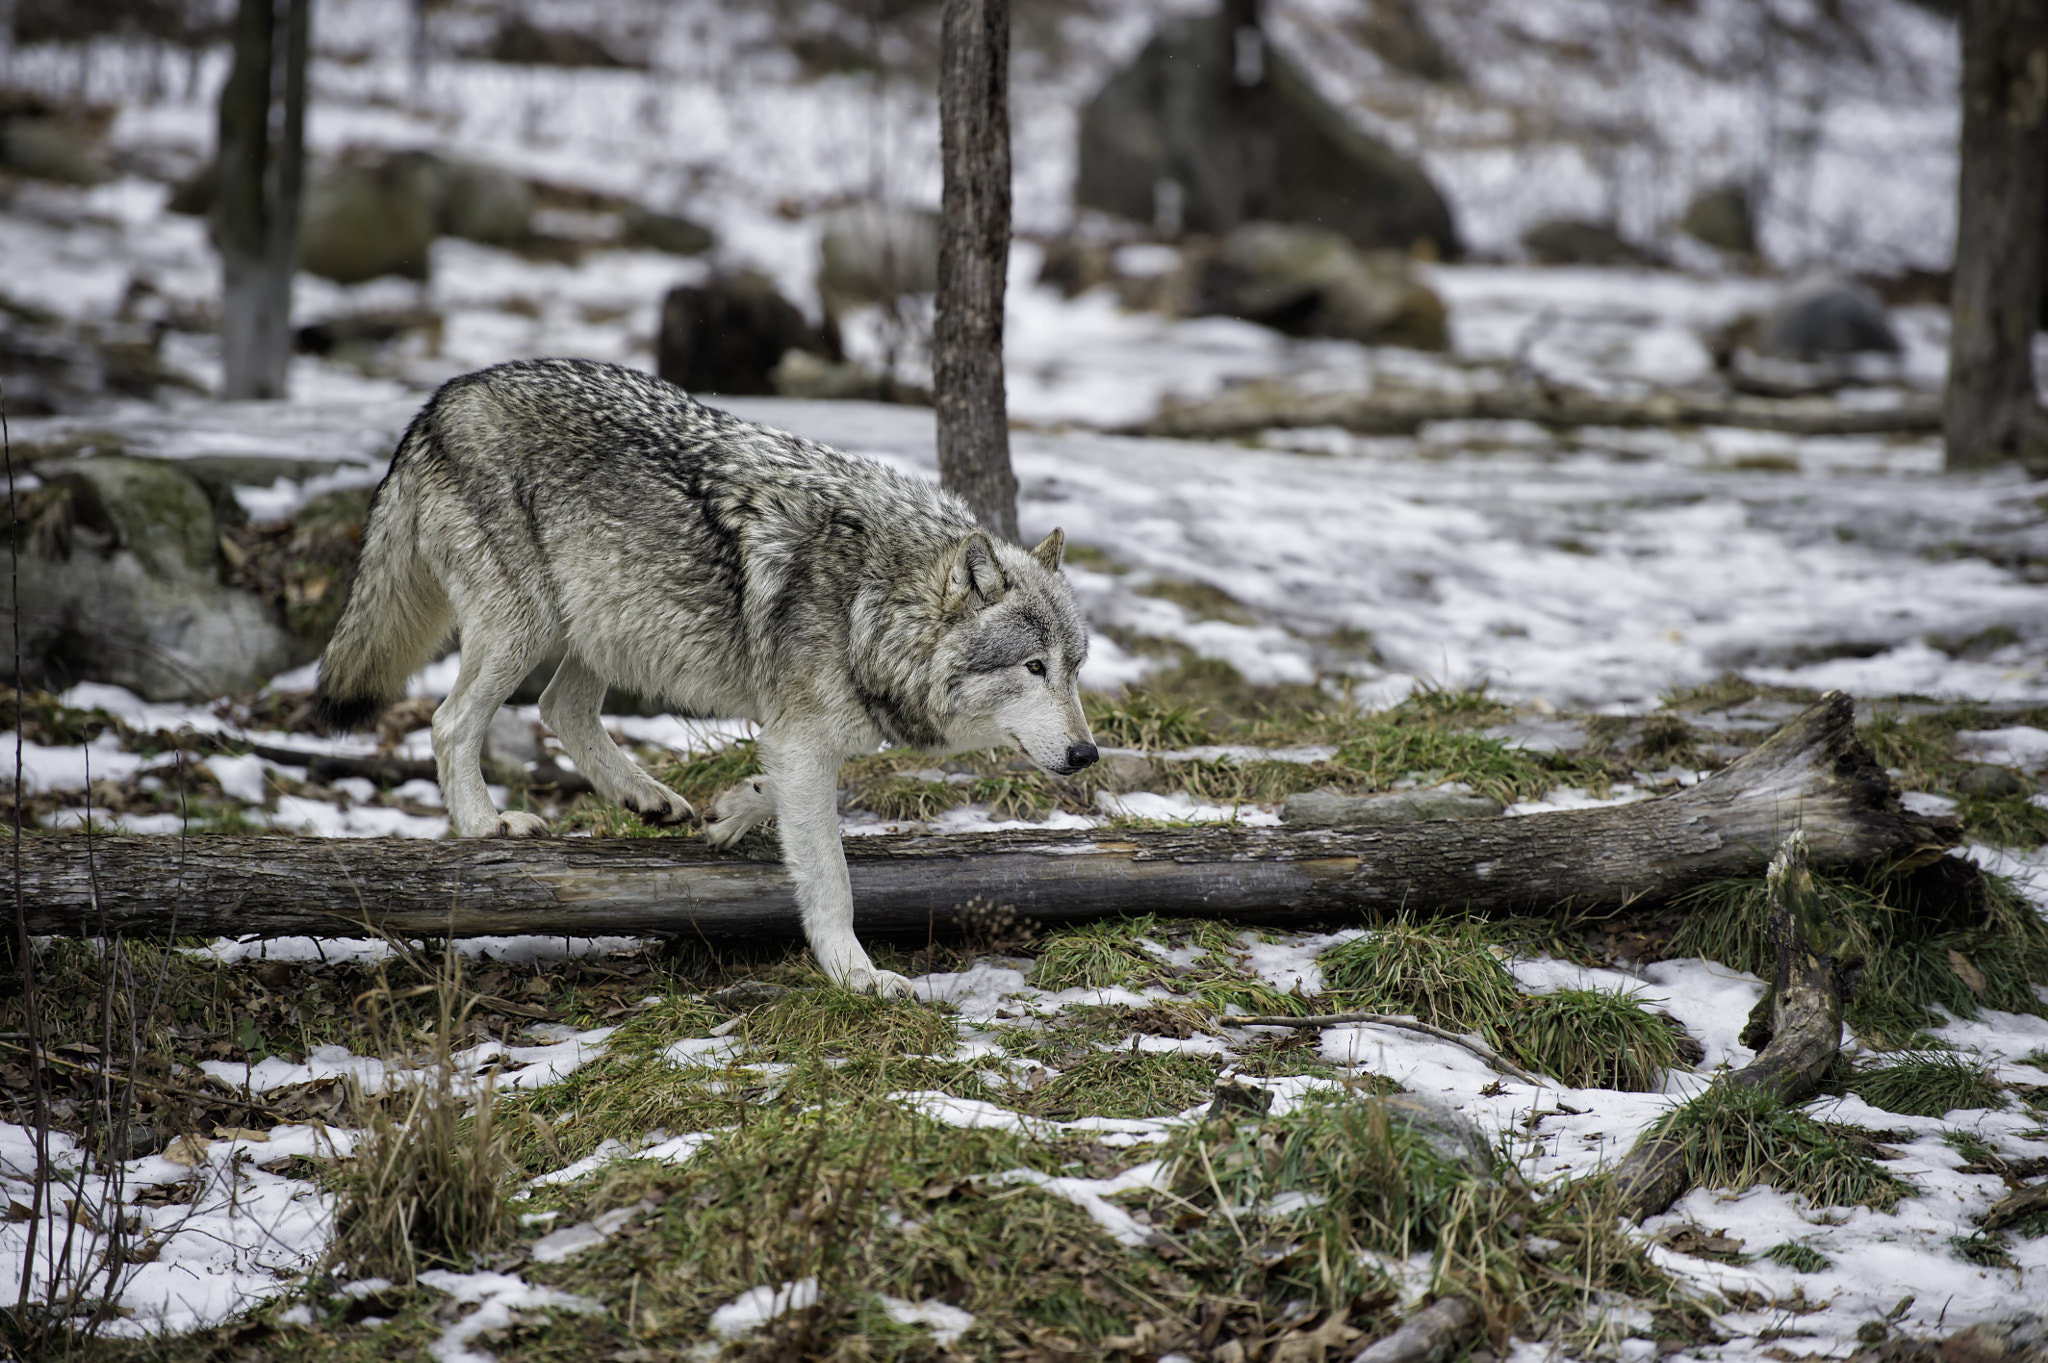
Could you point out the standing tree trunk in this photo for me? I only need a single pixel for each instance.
(262, 167)
(974, 260)
(1992, 412)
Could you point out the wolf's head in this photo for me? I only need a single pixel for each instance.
(1012, 652)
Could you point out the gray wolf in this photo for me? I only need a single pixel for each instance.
(728, 568)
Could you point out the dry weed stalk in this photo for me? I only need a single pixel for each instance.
(425, 1185)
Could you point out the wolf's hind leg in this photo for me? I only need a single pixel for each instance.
(738, 808)
(493, 663)
(571, 706)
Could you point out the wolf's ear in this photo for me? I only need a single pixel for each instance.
(1049, 549)
(973, 577)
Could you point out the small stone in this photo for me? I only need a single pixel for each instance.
(1328, 809)
(747, 994)
(1124, 771)
(1992, 783)
(1454, 1135)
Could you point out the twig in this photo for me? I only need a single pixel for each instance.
(1404, 1022)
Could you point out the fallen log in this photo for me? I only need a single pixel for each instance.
(1256, 407)
(1812, 773)
(1797, 1024)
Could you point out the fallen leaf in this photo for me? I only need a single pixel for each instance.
(1966, 972)
(187, 1150)
(239, 1133)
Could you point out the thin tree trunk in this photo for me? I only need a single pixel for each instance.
(974, 259)
(1812, 774)
(262, 168)
(1992, 412)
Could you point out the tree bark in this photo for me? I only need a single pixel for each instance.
(1812, 773)
(262, 167)
(1992, 412)
(974, 260)
(1798, 1025)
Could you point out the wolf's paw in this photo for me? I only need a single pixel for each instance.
(887, 983)
(737, 809)
(517, 825)
(663, 810)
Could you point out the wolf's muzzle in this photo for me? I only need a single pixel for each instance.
(1080, 755)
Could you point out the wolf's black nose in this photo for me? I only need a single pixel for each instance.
(1080, 755)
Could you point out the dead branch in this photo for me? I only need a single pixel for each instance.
(1469, 1040)
(1798, 1025)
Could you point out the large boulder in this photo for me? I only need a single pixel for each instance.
(1211, 127)
(728, 334)
(371, 215)
(1823, 317)
(875, 251)
(1310, 282)
(120, 582)
(1579, 241)
(51, 149)
(480, 203)
(1721, 218)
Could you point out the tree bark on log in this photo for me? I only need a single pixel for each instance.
(1812, 774)
(1992, 412)
(1798, 1025)
(974, 261)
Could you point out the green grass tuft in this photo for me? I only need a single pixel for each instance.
(1738, 1137)
(1930, 1085)
(1985, 1250)
(1443, 973)
(1590, 1038)
(1125, 1083)
(1299, 1211)
(1139, 720)
(1451, 975)
(1096, 956)
(1800, 1258)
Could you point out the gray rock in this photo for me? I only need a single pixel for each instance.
(1124, 771)
(1577, 241)
(1328, 809)
(482, 203)
(1992, 782)
(1211, 126)
(120, 583)
(1825, 316)
(369, 217)
(872, 251)
(666, 232)
(1721, 218)
(50, 149)
(522, 42)
(1310, 282)
(1449, 1132)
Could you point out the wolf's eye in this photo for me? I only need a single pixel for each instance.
(1035, 668)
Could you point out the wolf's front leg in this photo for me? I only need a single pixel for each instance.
(805, 780)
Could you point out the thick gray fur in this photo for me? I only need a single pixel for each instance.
(734, 570)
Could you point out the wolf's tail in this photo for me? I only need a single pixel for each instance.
(397, 613)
